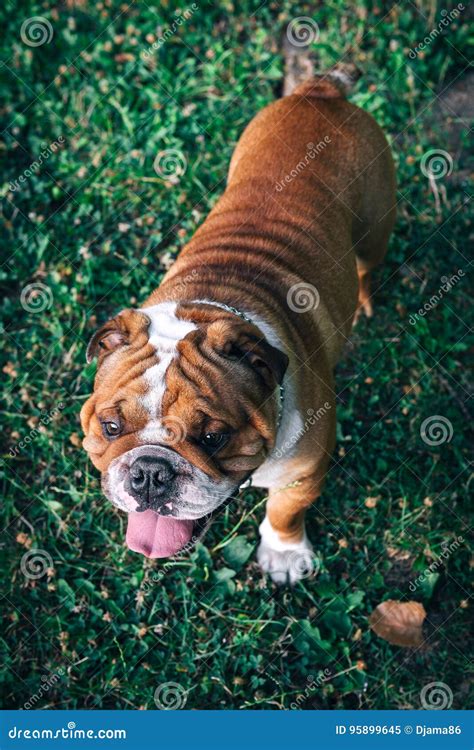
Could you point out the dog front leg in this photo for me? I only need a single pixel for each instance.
(285, 552)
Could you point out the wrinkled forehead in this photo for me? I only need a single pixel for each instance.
(175, 359)
(165, 332)
(140, 368)
(167, 328)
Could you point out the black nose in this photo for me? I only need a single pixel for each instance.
(150, 478)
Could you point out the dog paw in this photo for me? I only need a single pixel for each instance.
(285, 563)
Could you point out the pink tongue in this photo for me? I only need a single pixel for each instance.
(157, 536)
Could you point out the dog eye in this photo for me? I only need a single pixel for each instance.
(111, 429)
(215, 440)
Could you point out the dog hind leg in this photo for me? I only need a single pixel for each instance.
(372, 234)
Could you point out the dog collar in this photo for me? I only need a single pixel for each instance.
(244, 316)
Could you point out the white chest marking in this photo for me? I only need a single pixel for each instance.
(274, 471)
(164, 333)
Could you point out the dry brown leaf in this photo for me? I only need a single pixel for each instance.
(396, 553)
(24, 539)
(399, 623)
(371, 502)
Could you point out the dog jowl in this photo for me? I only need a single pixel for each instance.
(226, 371)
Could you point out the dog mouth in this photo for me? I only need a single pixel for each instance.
(155, 536)
(174, 526)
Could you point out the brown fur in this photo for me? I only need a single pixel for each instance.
(257, 243)
(197, 393)
(328, 226)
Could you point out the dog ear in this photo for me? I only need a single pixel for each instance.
(112, 335)
(242, 341)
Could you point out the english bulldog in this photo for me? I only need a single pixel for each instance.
(225, 373)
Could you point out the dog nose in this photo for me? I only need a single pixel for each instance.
(150, 478)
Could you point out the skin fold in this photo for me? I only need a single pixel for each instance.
(309, 205)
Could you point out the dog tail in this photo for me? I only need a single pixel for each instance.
(301, 77)
(336, 83)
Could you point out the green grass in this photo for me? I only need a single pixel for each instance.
(97, 225)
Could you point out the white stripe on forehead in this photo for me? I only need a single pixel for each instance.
(165, 332)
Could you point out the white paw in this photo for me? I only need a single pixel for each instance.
(285, 562)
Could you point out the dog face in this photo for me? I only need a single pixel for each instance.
(184, 409)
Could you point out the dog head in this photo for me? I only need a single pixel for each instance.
(184, 409)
